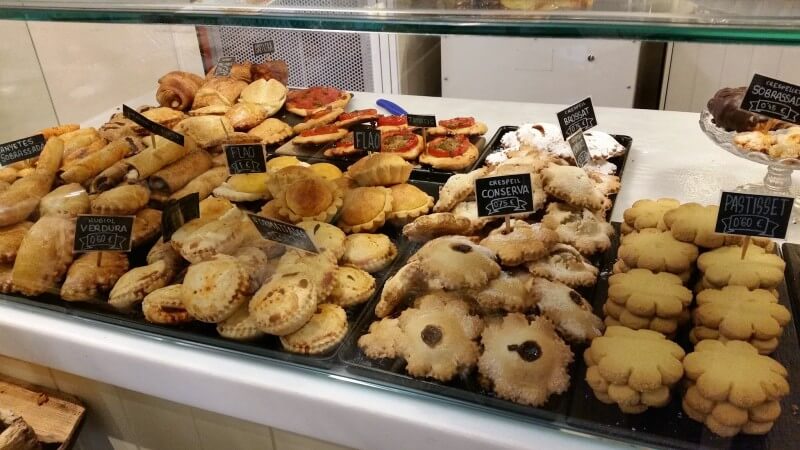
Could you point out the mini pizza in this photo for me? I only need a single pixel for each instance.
(450, 153)
(392, 123)
(320, 135)
(305, 102)
(319, 118)
(403, 143)
(466, 126)
(359, 116)
(343, 147)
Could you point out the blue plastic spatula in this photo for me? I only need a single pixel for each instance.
(391, 107)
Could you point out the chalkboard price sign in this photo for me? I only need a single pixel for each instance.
(179, 212)
(263, 48)
(367, 139)
(245, 158)
(578, 117)
(283, 233)
(149, 125)
(21, 149)
(579, 148)
(224, 64)
(505, 194)
(416, 120)
(773, 98)
(754, 215)
(103, 233)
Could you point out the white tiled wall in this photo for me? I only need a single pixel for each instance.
(119, 419)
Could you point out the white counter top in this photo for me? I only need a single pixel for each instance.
(670, 157)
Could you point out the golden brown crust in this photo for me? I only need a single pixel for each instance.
(213, 290)
(364, 209)
(10, 240)
(92, 275)
(44, 255)
(522, 243)
(322, 333)
(380, 169)
(165, 306)
(121, 200)
(459, 162)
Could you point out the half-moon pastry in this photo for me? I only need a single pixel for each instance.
(204, 184)
(44, 255)
(122, 200)
(69, 200)
(92, 275)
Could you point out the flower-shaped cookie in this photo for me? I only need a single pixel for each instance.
(649, 294)
(455, 262)
(694, 223)
(657, 251)
(647, 213)
(570, 312)
(525, 362)
(726, 419)
(617, 314)
(524, 242)
(740, 314)
(565, 264)
(437, 338)
(579, 227)
(724, 266)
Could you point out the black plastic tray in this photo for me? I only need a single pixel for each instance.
(578, 409)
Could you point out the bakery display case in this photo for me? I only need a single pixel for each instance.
(272, 200)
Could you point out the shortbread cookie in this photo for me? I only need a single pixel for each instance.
(579, 227)
(508, 292)
(524, 362)
(369, 252)
(620, 267)
(572, 185)
(694, 223)
(437, 339)
(458, 188)
(326, 237)
(431, 226)
(764, 346)
(657, 251)
(351, 286)
(455, 262)
(724, 266)
(727, 420)
(322, 333)
(524, 242)
(565, 264)
(615, 314)
(570, 312)
(648, 213)
(649, 294)
(634, 369)
(240, 326)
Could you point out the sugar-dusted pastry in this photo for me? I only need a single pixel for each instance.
(22, 197)
(455, 262)
(647, 213)
(347, 119)
(524, 362)
(176, 175)
(380, 169)
(634, 369)
(351, 286)
(68, 200)
(91, 165)
(449, 153)
(176, 89)
(694, 223)
(573, 186)
(271, 131)
(218, 91)
(567, 309)
(165, 306)
(459, 126)
(364, 209)
(240, 326)
(122, 200)
(153, 158)
(405, 143)
(44, 255)
(725, 266)
(92, 275)
(322, 333)
(245, 187)
(204, 184)
(579, 227)
(305, 102)
(213, 289)
(469, 210)
(10, 240)
(206, 131)
(326, 237)
(407, 281)
(369, 252)
(427, 227)
(310, 199)
(508, 292)
(218, 236)
(657, 251)
(408, 203)
(135, 284)
(522, 243)
(606, 183)
(319, 118)
(565, 264)
(458, 188)
(437, 338)
(285, 303)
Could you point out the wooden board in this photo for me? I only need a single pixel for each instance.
(53, 415)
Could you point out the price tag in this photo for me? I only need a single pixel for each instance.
(579, 116)
(367, 139)
(179, 212)
(223, 67)
(773, 98)
(416, 120)
(263, 48)
(506, 194)
(579, 148)
(283, 233)
(21, 149)
(103, 233)
(754, 215)
(151, 126)
(245, 158)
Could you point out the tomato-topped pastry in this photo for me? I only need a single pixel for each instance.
(320, 135)
(343, 147)
(467, 126)
(450, 153)
(391, 123)
(321, 117)
(358, 116)
(305, 102)
(404, 143)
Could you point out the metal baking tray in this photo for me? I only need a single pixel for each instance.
(577, 409)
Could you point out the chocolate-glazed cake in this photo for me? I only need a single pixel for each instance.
(724, 107)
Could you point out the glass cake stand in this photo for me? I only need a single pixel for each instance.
(777, 181)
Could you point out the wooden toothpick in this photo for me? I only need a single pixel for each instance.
(745, 244)
(507, 220)
(99, 259)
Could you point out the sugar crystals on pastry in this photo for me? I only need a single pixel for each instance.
(579, 227)
(573, 186)
(455, 262)
(449, 153)
(567, 309)
(520, 242)
(566, 265)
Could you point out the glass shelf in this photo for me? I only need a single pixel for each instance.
(753, 21)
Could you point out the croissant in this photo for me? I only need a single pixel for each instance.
(177, 89)
(176, 175)
(271, 70)
(239, 71)
(218, 91)
(203, 184)
(153, 158)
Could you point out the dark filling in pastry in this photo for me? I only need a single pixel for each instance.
(431, 335)
(172, 310)
(316, 228)
(529, 350)
(576, 298)
(463, 248)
